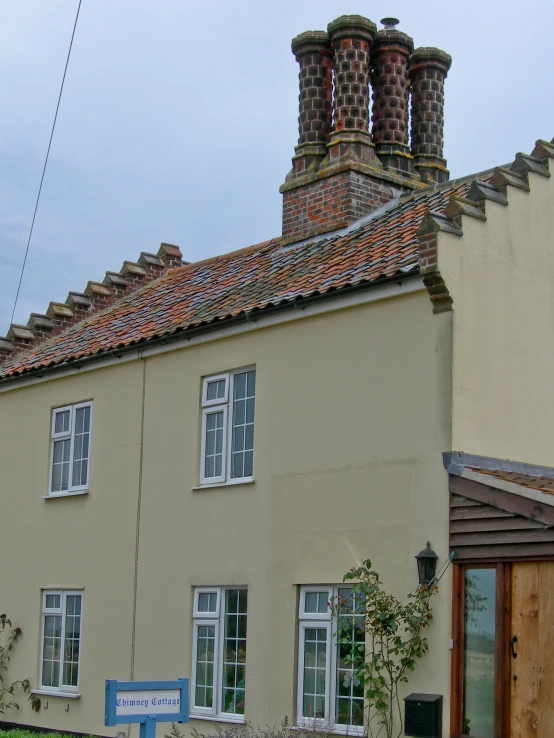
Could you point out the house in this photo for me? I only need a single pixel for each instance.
(193, 455)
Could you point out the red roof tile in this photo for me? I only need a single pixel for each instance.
(544, 484)
(253, 278)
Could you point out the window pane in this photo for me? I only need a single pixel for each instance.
(207, 601)
(60, 466)
(237, 466)
(314, 678)
(215, 390)
(240, 385)
(218, 471)
(61, 422)
(238, 438)
(52, 601)
(213, 462)
(349, 705)
(61, 451)
(205, 660)
(51, 650)
(316, 601)
(234, 651)
(248, 464)
(81, 446)
(242, 438)
(479, 636)
(72, 640)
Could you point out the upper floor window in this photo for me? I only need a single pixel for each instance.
(70, 452)
(329, 695)
(61, 640)
(228, 426)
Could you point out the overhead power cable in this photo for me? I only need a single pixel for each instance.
(45, 163)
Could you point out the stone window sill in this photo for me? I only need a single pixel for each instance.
(239, 720)
(57, 496)
(64, 695)
(230, 483)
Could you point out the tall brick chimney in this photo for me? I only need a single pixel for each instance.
(389, 67)
(428, 70)
(340, 172)
(313, 54)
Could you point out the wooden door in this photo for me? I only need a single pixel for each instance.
(532, 672)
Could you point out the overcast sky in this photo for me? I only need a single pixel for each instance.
(178, 120)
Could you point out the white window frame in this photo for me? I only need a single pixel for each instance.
(307, 620)
(218, 400)
(197, 613)
(210, 407)
(218, 622)
(63, 594)
(68, 435)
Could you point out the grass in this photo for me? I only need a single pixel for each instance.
(19, 733)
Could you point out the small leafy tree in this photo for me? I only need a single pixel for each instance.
(394, 643)
(8, 637)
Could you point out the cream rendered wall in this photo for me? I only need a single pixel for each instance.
(86, 540)
(352, 415)
(500, 275)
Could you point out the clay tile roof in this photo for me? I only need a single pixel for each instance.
(544, 484)
(250, 279)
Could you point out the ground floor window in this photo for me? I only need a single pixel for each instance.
(329, 695)
(219, 651)
(61, 640)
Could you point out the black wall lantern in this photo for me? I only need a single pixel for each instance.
(426, 564)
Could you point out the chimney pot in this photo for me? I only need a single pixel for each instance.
(390, 23)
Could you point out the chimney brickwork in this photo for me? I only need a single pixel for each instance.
(351, 37)
(313, 54)
(390, 132)
(341, 172)
(428, 70)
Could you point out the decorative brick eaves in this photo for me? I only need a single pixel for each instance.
(428, 236)
(525, 163)
(480, 192)
(504, 178)
(544, 150)
(450, 221)
(97, 296)
(474, 205)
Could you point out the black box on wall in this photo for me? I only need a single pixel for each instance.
(423, 715)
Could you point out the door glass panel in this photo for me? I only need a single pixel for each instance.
(479, 640)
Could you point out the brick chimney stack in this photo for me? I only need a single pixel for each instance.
(428, 68)
(340, 173)
(389, 71)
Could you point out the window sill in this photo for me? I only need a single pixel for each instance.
(52, 693)
(238, 720)
(57, 495)
(230, 483)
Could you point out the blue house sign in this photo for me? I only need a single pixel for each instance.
(147, 703)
